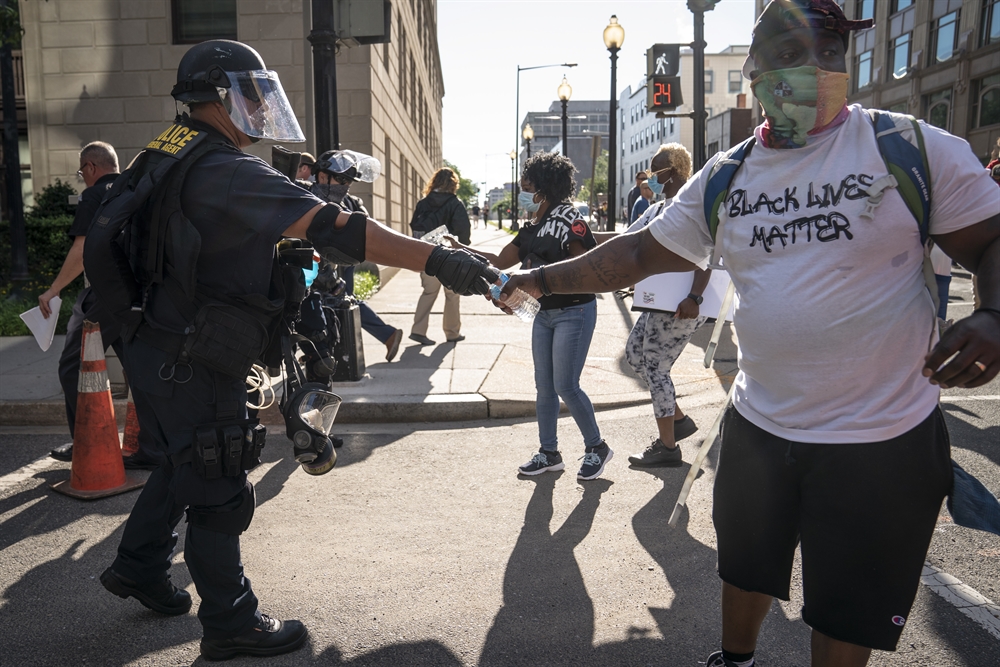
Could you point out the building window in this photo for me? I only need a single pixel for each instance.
(709, 79)
(990, 22)
(986, 101)
(938, 108)
(900, 5)
(864, 9)
(863, 69)
(901, 107)
(197, 20)
(899, 56)
(901, 25)
(944, 37)
(735, 81)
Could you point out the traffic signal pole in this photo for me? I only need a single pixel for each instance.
(698, 8)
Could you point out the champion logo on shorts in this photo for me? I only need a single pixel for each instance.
(899, 620)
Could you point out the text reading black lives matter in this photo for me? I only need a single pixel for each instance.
(825, 227)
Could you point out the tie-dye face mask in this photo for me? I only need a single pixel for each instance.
(799, 102)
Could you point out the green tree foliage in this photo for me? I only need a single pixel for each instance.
(468, 192)
(46, 227)
(53, 201)
(600, 184)
(10, 25)
(503, 206)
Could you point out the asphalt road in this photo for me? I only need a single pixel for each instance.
(422, 547)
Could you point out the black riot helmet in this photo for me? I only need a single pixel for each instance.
(348, 165)
(221, 70)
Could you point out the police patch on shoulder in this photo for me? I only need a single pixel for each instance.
(579, 228)
(175, 141)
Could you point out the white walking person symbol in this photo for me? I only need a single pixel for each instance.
(661, 64)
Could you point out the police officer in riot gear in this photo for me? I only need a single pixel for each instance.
(190, 403)
(334, 172)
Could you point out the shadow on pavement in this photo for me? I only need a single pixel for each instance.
(430, 653)
(691, 625)
(964, 435)
(58, 613)
(547, 616)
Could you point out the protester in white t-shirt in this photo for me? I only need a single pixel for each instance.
(834, 441)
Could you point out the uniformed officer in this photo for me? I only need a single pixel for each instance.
(335, 171)
(98, 169)
(240, 207)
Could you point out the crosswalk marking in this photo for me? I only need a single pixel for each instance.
(968, 601)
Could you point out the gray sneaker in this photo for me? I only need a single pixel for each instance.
(657, 456)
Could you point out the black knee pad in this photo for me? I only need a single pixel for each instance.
(340, 246)
(232, 518)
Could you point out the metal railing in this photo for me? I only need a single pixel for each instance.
(18, 64)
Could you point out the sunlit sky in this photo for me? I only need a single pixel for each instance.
(482, 43)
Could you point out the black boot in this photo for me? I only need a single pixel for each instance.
(161, 596)
(269, 636)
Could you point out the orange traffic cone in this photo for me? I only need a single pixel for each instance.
(130, 439)
(97, 457)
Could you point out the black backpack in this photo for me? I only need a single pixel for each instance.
(141, 241)
(140, 237)
(425, 218)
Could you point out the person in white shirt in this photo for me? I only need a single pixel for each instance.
(834, 440)
(661, 333)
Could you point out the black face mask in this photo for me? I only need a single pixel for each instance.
(331, 192)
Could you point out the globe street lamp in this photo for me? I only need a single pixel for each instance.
(517, 103)
(528, 135)
(513, 191)
(564, 91)
(614, 37)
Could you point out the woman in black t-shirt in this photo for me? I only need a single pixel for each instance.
(564, 327)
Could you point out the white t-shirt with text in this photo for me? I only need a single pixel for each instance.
(834, 318)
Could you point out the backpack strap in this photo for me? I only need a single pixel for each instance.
(901, 144)
(723, 172)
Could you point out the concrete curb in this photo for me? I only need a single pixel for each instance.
(44, 413)
(368, 410)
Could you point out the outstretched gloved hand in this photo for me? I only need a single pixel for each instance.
(461, 271)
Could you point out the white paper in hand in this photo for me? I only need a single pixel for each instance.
(43, 329)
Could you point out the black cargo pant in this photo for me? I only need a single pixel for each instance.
(85, 308)
(169, 411)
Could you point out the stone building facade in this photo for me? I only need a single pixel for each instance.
(103, 70)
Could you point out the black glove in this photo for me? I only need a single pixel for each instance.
(461, 271)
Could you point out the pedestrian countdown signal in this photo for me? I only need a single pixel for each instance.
(663, 83)
(663, 91)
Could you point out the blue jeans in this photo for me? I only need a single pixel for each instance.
(560, 339)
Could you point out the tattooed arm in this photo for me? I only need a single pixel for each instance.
(618, 263)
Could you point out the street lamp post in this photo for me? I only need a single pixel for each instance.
(528, 135)
(614, 37)
(565, 91)
(513, 190)
(323, 38)
(517, 110)
(698, 8)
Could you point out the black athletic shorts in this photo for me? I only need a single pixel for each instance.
(864, 514)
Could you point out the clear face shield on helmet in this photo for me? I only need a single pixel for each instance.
(368, 168)
(258, 107)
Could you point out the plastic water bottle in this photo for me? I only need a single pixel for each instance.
(435, 235)
(520, 302)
